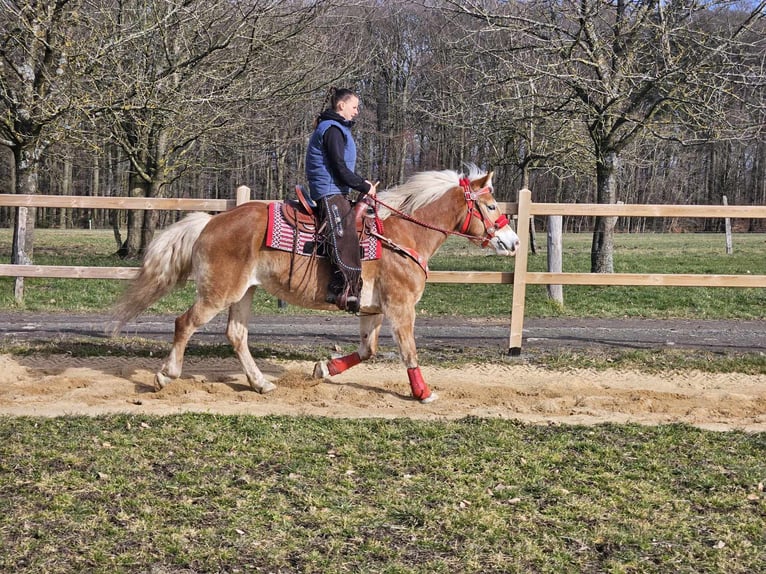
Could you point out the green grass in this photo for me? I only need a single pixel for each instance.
(634, 253)
(204, 493)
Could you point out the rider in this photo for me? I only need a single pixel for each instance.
(330, 164)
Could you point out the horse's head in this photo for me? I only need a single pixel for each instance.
(483, 219)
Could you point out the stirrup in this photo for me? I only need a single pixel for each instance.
(349, 303)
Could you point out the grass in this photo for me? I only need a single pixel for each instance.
(205, 493)
(634, 253)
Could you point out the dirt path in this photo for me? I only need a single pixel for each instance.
(60, 384)
(720, 336)
(63, 385)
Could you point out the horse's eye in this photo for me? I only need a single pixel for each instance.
(492, 207)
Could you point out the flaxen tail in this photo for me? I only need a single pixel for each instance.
(167, 264)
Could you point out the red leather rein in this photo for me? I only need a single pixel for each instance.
(474, 210)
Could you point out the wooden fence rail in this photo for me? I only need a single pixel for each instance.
(523, 210)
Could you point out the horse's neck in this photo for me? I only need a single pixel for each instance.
(438, 217)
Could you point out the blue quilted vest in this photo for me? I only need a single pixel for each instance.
(321, 181)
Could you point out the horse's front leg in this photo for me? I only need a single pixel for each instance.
(403, 329)
(369, 331)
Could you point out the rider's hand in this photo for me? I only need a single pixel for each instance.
(373, 188)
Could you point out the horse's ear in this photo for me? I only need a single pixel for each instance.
(482, 182)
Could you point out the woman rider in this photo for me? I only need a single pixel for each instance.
(330, 164)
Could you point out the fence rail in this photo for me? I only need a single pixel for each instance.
(523, 210)
(100, 202)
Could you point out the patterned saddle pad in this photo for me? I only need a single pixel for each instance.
(301, 237)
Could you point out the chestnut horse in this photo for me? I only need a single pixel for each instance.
(225, 255)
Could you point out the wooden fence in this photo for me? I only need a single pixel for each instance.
(528, 209)
(522, 211)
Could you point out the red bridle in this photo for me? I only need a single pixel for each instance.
(475, 210)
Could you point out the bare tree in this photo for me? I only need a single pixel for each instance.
(171, 75)
(621, 69)
(37, 57)
(288, 88)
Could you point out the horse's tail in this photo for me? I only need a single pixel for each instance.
(167, 264)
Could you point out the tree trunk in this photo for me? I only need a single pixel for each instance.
(282, 168)
(92, 216)
(602, 248)
(383, 109)
(154, 167)
(131, 248)
(66, 189)
(26, 171)
(151, 216)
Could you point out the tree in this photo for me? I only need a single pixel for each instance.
(622, 69)
(171, 75)
(39, 51)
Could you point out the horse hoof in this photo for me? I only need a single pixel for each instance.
(429, 399)
(320, 370)
(266, 387)
(160, 380)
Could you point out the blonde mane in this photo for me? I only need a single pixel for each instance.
(423, 188)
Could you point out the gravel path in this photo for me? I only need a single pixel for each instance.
(539, 334)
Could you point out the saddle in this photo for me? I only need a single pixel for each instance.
(301, 212)
(294, 226)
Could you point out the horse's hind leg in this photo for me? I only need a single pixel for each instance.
(197, 315)
(236, 331)
(369, 331)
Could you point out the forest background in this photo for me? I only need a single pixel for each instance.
(580, 100)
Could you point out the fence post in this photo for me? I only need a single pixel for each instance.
(19, 250)
(727, 226)
(243, 194)
(555, 255)
(520, 273)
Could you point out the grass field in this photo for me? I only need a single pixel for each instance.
(203, 493)
(190, 494)
(634, 253)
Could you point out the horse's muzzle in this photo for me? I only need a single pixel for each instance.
(505, 243)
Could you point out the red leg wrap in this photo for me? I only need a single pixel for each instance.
(419, 387)
(337, 366)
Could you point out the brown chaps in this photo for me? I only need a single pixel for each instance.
(342, 244)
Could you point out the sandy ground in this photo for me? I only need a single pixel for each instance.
(63, 385)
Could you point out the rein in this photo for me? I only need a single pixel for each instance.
(490, 228)
(417, 221)
(473, 211)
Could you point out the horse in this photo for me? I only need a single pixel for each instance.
(225, 254)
